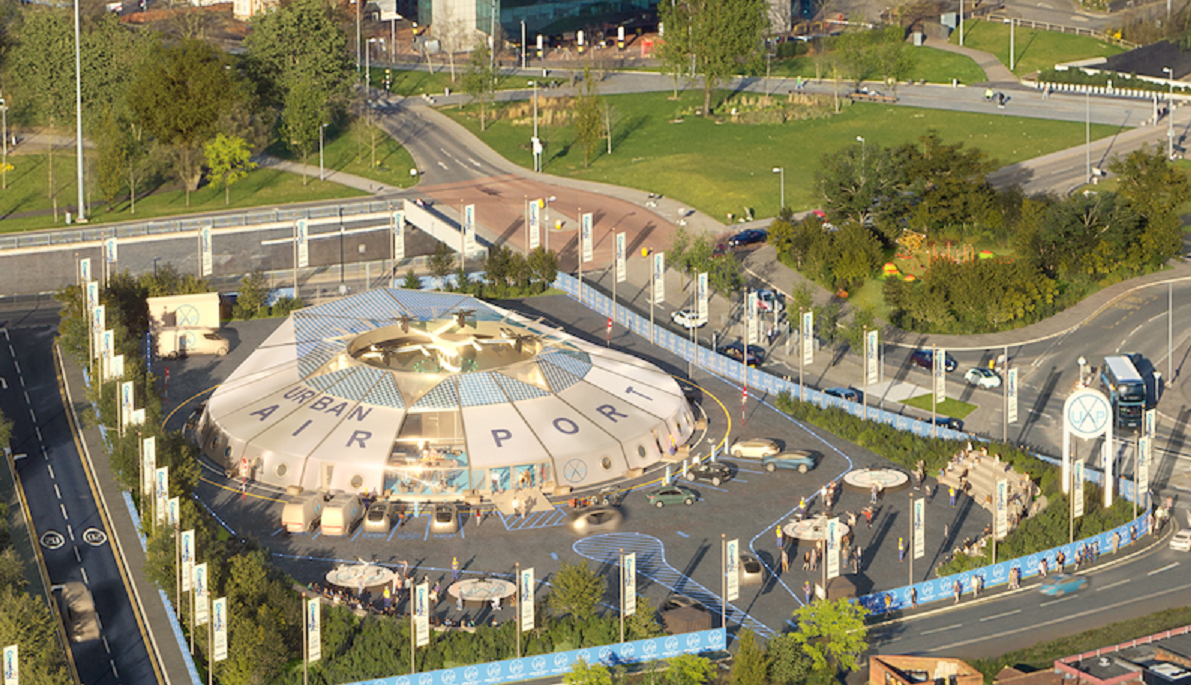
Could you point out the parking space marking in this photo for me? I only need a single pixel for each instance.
(357, 533)
(679, 532)
(1164, 568)
(940, 630)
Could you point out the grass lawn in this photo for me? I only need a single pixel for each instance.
(724, 167)
(349, 151)
(1036, 49)
(948, 407)
(28, 182)
(932, 66)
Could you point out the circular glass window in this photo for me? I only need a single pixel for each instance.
(227, 451)
(641, 451)
(281, 470)
(606, 463)
(357, 481)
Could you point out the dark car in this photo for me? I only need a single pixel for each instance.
(711, 471)
(736, 351)
(849, 394)
(748, 237)
(926, 359)
(948, 422)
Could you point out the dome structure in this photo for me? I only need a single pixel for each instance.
(438, 396)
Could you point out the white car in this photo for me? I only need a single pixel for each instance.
(983, 378)
(755, 448)
(769, 301)
(688, 319)
(1181, 542)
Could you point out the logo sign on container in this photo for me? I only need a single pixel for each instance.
(808, 338)
(187, 560)
(751, 313)
(469, 229)
(527, 599)
(535, 224)
(12, 667)
(111, 250)
(422, 615)
(1146, 445)
(1002, 506)
(173, 511)
(148, 465)
(659, 278)
(205, 249)
(621, 272)
(732, 560)
(919, 527)
(585, 222)
(219, 613)
(398, 223)
(833, 548)
(1143, 476)
(115, 367)
(92, 295)
(1011, 392)
(314, 629)
(302, 236)
(201, 600)
(1078, 475)
(1151, 421)
(163, 488)
(871, 357)
(126, 402)
(630, 583)
(702, 295)
(939, 372)
(85, 270)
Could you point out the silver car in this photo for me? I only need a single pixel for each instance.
(378, 518)
(754, 448)
(444, 519)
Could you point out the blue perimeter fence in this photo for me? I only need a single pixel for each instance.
(735, 372)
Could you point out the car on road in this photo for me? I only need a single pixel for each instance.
(688, 319)
(597, 520)
(78, 612)
(711, 471)
(849, 394)
(799, 460)
(754, 448)
(671, 494)
(736, 351)
(925, 359)
(948, 422)
(1181, 542)
(983, 378)
(378, 518)
(769, 301)
(751, 570)
(445, 519)
(1061, 584)
(748, 236)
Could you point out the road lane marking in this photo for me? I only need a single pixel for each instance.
(1007, 613)
(1112, 585)
(70, 530)
(85, 580)
(38, 430)
(64, 514)
(76, 555)
(940, 630)
(18, 365)
(32, 415)
(1056, 601)
(57, 491)
(1164, 568)
(27, 397)
(105, 644)
(50, 468)
(113, 663)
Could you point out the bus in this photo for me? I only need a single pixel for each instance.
(1126, 389)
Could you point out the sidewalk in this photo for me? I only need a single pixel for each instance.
(998, 74)
(357, 182)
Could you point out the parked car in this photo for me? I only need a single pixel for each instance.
(736, 351)
(983, 378)
(687, 318)
(712, 471)
(671, 494)
(754, 448)
(849, 394)
(801, 460)
(597, 520)
(444, 519)
(948, 422)
(925, 359)
(1061, 584)
(378, 518)
(1181, 542)
(768, 301)
(751, 570)
(748, 236)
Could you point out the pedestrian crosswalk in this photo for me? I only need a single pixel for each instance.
(652, 564)
(538, 519)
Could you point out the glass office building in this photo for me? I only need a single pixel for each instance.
(552, 16)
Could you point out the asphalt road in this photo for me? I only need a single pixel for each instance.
(72, 534)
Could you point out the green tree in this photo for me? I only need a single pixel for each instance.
(751, 665)
(788, 664)
(411, 282)
(583, 673)
(674, 47)
(643, 624)
(479, 81)
(253, 293)
(12, 570)
(726, 276)
(689, 669)
(855, 56)
(1154, 188)
(865, 183)
(864, 318)
(179, 96)
(111, 57)
(110, 168)
(895, 59)
(543, 265)
(832, 633)
(442, 262)
(586, 116)
(305, 111)
(717, 37)
(26, 620)
(299, 44)
(950, 179)
(576, 591)
(229, 160)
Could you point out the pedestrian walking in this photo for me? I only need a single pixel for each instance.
(454, 568)
(388, 597)
(856, 561)
(888, 602)
(872, 499)
(1116, 542)
(913, 598)
(459, 601)
(951, 492)
(781, 537)
(785, 562)
(806, 561)
(956, 588)
(901, 549)
(859, 557)
(868, 516)
(806, 591)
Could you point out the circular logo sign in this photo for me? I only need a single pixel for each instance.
(1086, 413)
(650, 647)
(471, 673)
(448, 677)
(671, 643)
(560, 660)
(52, 539)
(516, 667)
(575, 470)
(493, 670)
(538, 663)
(94, 537)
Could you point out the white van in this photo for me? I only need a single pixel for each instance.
(173, 343)
(78, 612)
(341, 514)
(302, 512)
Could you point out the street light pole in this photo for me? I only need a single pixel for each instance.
(782, 172)
(1087, 136)
(78, 113)
(524, 47)
(4, 164)
(358, 34)
(321, 175)
(1169, 114)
